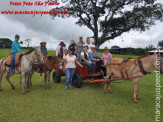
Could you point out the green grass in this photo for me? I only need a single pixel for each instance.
(86, 104)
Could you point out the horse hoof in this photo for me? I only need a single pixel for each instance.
(135, 101)
(23, 92)
(13, 87)
(27, 90)
(105, 92)
(138, 98)
(1, 89)
(49, 87)
(45, 87)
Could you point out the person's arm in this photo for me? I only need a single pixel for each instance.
(17, 47)
(83, 58)
(91, 56)
(57, 51)
(77, 62)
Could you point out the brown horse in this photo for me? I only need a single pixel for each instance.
(130, 67)
(50, 62)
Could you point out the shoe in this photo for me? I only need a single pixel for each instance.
(11, 74)
(66, 88)
(90, 74)
(93, 73)
(70, 87)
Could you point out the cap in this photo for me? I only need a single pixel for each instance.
(17, 36)
(43, 42)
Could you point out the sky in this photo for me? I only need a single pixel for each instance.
(44, 28)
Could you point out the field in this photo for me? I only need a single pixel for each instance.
(86, 104)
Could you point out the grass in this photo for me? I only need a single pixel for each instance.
(86, 104)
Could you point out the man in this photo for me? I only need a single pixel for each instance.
(95, 58)
(88, 44)
(14, 50)
(44, 49)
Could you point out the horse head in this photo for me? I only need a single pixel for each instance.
(39, 56)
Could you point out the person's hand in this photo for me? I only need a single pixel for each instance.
(81, 66)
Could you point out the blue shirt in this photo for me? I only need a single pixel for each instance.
(15, 47)
(94, 56)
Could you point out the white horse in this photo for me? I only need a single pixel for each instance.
(25, 66)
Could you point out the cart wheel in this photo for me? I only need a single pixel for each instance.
(77, 80)
(56, 77)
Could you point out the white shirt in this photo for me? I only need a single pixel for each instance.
(82, 54)
(89, 47)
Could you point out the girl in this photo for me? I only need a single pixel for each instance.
(70, 67)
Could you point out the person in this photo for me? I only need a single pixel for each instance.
(72, 46)
(80, 48)
(88, 43)
(95, 58)
(106, 57)
(76, 53)
(44, 49)
(85, 60)
(60, 49)
(65, 53)
(14, 50)
(70, 67)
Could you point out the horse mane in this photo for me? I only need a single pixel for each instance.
(28, 52)
(143, 56)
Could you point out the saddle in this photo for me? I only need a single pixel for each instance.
(17, 59)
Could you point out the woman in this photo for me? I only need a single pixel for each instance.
(70, 67)
(95, 58)
(44, 49)
(60, 49)
(85, 60)
(106, 57)
(80, 48)
(72, 46)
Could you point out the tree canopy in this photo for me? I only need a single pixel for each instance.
(108, 19)
(5, 43)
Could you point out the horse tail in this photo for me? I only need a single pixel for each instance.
(1, 65)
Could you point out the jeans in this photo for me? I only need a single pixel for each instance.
(79, 56)
(89, 65)
(12, 62)
(69, 75)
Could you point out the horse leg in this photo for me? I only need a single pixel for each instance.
(8, 79)
(45, 78)
(137, 96)
(27, 81)
(0, 82)
(109, 88)
(105, 91)
(30, 78)
(49, 80)
(135, 90)
(23, 82)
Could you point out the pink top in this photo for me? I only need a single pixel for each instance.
(70, 61)
(106, 57)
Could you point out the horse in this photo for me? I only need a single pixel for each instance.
(23, 68)
(50, 63)
(130, 68)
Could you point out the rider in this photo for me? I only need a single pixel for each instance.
(44, 49)
(14, 50)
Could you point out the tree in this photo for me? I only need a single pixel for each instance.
(113, 47)
(108, 19)
(28, 41)
(150, 47)
(160, 44)
(5, 43)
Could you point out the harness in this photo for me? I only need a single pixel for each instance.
(122, 67)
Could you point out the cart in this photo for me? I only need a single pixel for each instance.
(80, 75)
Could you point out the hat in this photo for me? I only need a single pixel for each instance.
(106, 48)
(17, 36)
(85, 45)
(43, 42)
(93, 46)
